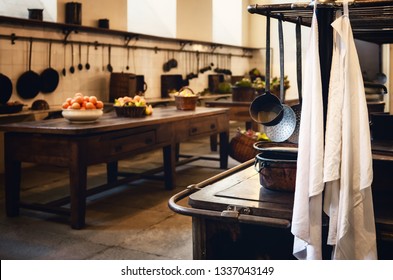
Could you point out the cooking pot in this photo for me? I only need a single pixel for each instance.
(40, 104)
(35, 14)
(141, 85)
(277, 169)
(73, 13)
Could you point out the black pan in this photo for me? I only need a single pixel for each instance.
(49, 77)
(28, 84)
(5, 88)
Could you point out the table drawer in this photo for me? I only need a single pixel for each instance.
(123, 143)
(203, 125)
(131, 142)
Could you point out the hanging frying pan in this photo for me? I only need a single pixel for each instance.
(267, 108)
(5, 88)
(298, 107)
(49, 77)
(28, 84)
(285, 128)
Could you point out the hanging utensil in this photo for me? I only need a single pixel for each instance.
(29, 83)
(128, 59)
(64, 71)
(5, 88)
(109, 66)
(285, 128)
(267, 109)
(87, 65)
(166, 67)
(80, 66)
(72, 68)
(298, 107)
(49, 77)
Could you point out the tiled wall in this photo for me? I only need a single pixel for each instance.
(14, 61)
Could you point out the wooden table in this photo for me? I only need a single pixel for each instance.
(61, 143)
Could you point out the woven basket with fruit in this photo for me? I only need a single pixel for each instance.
(132, 107)
(185, 99)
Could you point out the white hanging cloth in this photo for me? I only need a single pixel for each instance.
(348, 157)
(307, 209)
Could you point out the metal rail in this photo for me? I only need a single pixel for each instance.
(230, 215)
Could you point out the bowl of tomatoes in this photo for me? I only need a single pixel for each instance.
(82, 109)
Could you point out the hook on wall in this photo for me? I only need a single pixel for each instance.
(67, 33)
(127, 39)
(13, 38)
(183, 44)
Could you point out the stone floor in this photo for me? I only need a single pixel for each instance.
(131, 221)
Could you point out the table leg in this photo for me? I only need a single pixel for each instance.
(78, 185)
(224, 148)
(169, 154)
(111, 171)
(12, 185)
(213, 143)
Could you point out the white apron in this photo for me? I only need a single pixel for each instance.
(348, 158)
(307, 209)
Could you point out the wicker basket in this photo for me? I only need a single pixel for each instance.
(186, 102)
(130, 111)
(241, 147)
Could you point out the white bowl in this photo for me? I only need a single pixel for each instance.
(82, 116)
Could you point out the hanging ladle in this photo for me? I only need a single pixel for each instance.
(64, 71)
(80, 66)
(72, 68)
(267, 109)
(87, 66)
(109, 66)
(128, 59)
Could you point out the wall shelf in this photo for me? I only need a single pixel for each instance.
(68, 29)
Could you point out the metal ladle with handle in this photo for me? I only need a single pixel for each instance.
(267, 109)
(284, 129)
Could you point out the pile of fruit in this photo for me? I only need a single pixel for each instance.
(136, 101)
(185, 92)
(83, 102)
(256, 135)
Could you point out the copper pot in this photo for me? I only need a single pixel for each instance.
(277, 170)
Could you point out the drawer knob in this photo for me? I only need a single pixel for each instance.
(212, 126)
(194, 130)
